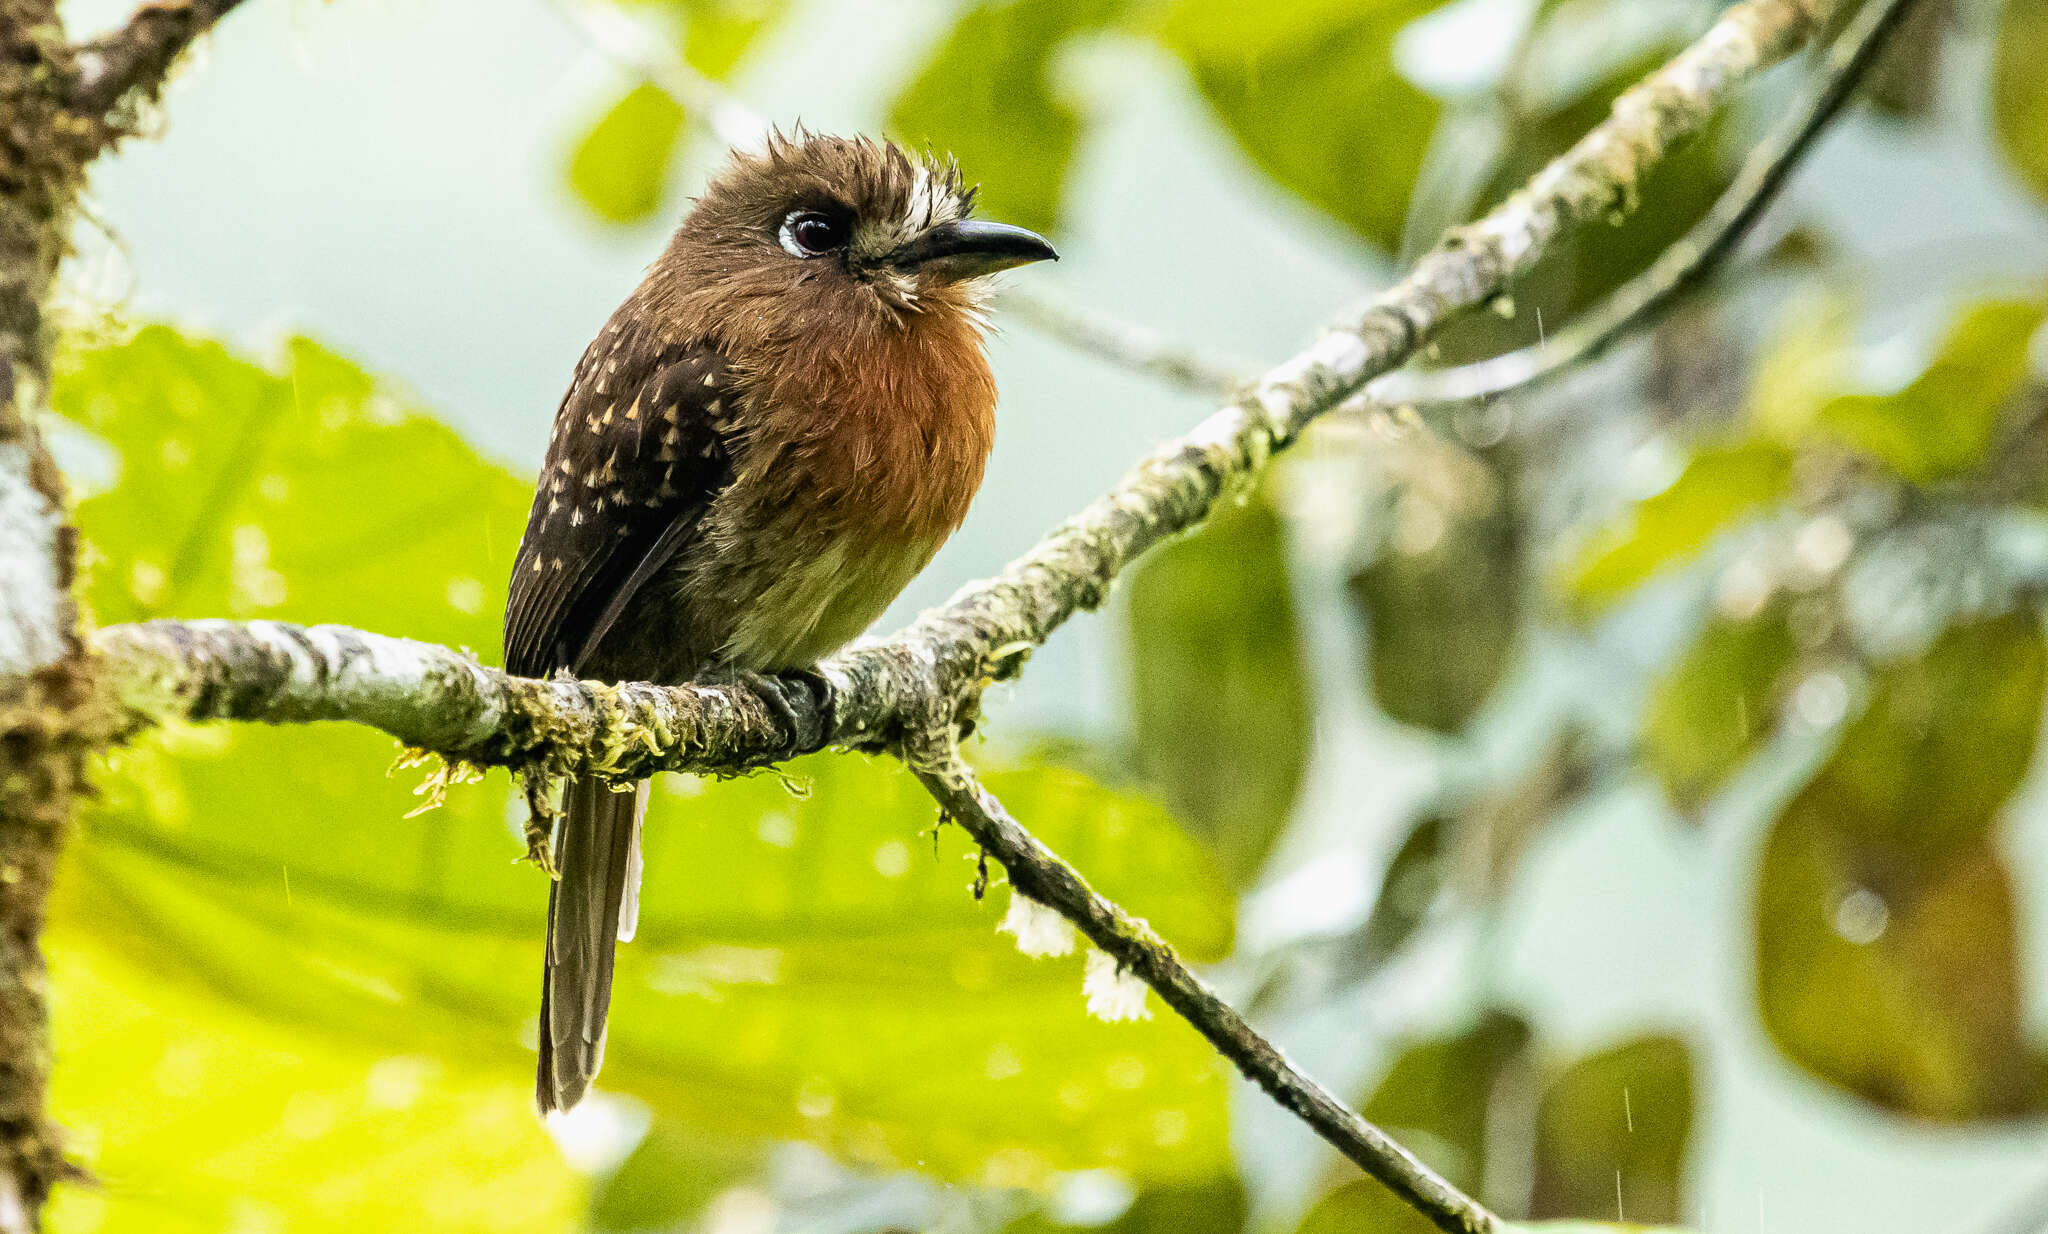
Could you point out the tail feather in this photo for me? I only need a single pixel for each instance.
(597, 854)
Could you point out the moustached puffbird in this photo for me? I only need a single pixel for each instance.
(767, 440)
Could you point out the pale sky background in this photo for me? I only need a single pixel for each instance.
(385, 175)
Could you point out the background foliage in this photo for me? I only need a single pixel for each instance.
(1768, 581)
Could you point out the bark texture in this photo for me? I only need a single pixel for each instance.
(59, 108)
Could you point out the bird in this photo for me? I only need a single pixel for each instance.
(767, 440)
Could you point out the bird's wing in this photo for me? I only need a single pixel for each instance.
(638, 453)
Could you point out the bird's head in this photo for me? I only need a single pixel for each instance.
(815, 225)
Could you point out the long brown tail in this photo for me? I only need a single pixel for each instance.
(592, 907)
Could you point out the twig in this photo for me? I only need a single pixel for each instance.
(1127, 346)
(1696, 255)
(1039, 875)
(615, 33)
(135, 59)
(2024, 1213)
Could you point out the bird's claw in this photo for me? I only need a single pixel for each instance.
(773, 690)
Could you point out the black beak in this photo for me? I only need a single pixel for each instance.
(971, 248)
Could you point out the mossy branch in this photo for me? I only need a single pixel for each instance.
(129, 66)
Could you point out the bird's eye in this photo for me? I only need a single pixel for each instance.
(807, 233)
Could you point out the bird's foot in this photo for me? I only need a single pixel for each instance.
(800, 732)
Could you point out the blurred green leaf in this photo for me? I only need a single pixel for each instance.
(1442, 596)
(1802, 367)
(810, 968)
(1943, 422)
(1412, 883)
(717, 33)
(1219, 682)
(1717, 704)
(1434, 1099)
(1291, 80)
(2019, 89)
(986, 96)
(1439, 1089)
(1906, 80)
(1589, 1227)
(1612, 1132)
(195, 1116)
(1944, 739)
(621, 166)
(1880, 889)
(1214, 1206)
(669, 1179)
(1926, 960)
(1718, 486)
(1363, 1204)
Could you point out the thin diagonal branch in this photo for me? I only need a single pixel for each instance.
(1127, 346)
(132, 62)
(614, 32)
(1035, 872)
(1696, 256)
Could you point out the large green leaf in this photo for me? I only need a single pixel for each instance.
(308, 495)
(1612, 1133)
(1943, 422)
(2019, 89)
(808, 967)
(1291, 81)
(985, 96)
(1718, 486)
(195, 1116)
(1717, 704)
(1219, 682)
(1881, 890)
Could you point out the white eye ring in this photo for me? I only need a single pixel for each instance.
(786, 235)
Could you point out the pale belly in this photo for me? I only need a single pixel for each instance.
(806, 613)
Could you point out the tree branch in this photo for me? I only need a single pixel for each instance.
(1700, 252)
(938, 666)
(132, 62)
(1036, 873)
(45, 675)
